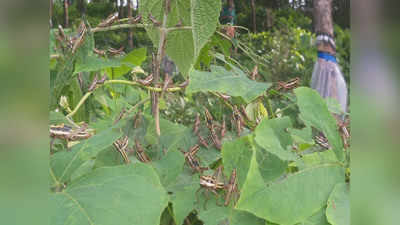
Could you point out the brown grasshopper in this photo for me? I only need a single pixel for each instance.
(99, 52)
(322, 141)
(68, 133)
(213, 135)
(140, 153)
(184, 84)
(147, 81)
(109, 20)
(196, 124)
(209, 119)
(223, 127)
(96, 82)
(137, 118)
(291, 84)
(211, 183)
(192, 161)
(232, 189)
(114, 51)
(81, 37)
(215, 139)
(202, 141)
(237, 120)
(344, 133)
(121, 145)
(154, 21)
(135, 19)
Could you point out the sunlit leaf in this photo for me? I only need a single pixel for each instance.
(291, 200)
(122, 195)
(227, 82)
(314, 112)
(338, 211)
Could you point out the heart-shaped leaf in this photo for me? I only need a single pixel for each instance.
(123, 195)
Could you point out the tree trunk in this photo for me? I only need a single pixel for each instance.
(253, 11)
(82, 7)
(51, 13)
(66, 18)
(130, 34)
(121, 9)
(323, 22)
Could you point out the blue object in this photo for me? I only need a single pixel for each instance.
(327, 56)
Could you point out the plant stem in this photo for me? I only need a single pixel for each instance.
(157, 65)
(134, 83)
(80, 103)
(119, 26)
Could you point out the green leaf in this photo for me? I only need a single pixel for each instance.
(227, 82)
(302, 136)
(94, 63)
(291, 200)
(318, 218)
(271, 135)
(108, 157)
(316, 158)
(237, 155)
(63, 164)
(184, 196)
(183, 46)
(136, 57)
(205, 14)
(57, 118)
(173, 135)
(338, 210)
(314, 112)
(216, 215)
(270, 166)
(169, 167)
(122, 195)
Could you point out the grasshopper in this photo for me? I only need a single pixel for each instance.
(237, 120)
(344, 133)
(209, 119)
(223, 127)
(68, 133)
(322, 141)
(291, 84)
(211, 127)
(93, 85)
(81, 37)
(215, 139)
(121, 145)
(211, 183)
(192, 160)
(232, 188)
(141, 154)
(135, 19)
(137, 118)
(147, 81)
(114, 51)
(154, 21)
(196, 124)
(202, 141)
(99, 52)
(109, 20)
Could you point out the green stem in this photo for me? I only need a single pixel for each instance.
(269, 107)
(134, 83)
(118, 27)
(137, 105)
(83, 99)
